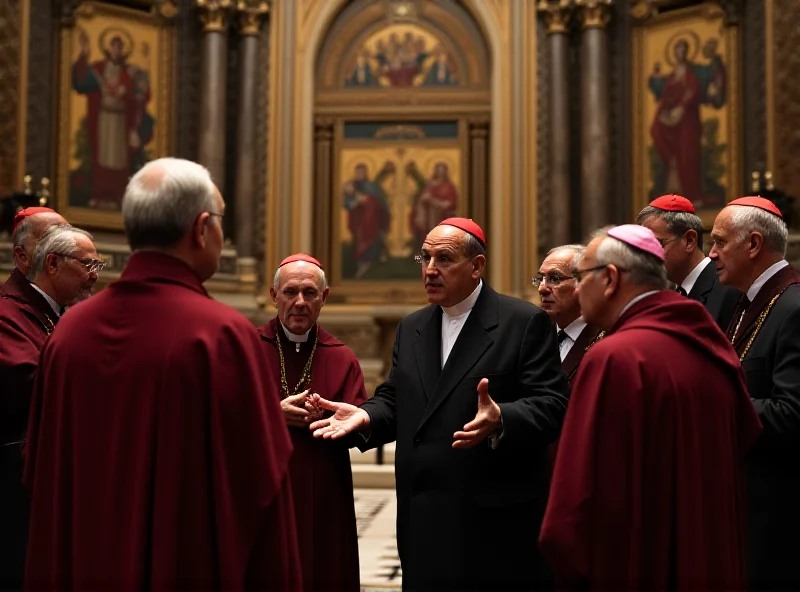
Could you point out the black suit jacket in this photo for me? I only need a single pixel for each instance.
(772, 368)
(468, 519)
(720, 300)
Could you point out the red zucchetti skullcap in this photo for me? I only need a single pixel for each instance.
(22, 214)
(300, 257)
(758, 202)
(467, 225)
(673, 203)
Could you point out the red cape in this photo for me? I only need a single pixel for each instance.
(648, 487)
(157, 454)
(322, 480)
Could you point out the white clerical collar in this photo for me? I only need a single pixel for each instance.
(637, 299)
(465, 305)
(296, 338)
(574, 329)
(764, 277)
(56, 308)
(691, 279)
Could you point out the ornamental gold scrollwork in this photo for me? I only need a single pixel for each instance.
(251, 15)
(595, 14)
(214, 14)
(556, 15)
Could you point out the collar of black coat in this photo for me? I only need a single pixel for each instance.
(484, 311)
(269, 331)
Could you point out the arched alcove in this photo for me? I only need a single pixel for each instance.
(402, 109)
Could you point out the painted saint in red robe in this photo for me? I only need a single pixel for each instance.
(437, 200)
(676, 128)
(368, 216)
(157, 455)
(322, 481)
(114, 105)
(648, 489)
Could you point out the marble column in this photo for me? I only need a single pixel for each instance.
(595, 111)
(323, 184)
(557, 16)
(479, 169)
(250, 14)
(214, 15)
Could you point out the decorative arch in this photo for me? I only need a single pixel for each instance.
(299, 30)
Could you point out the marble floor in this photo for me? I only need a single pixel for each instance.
(376, 510)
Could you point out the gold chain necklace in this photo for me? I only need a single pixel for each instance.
(761, 318)
(305, 377)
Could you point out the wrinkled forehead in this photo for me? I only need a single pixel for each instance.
(299, 274)
(560, 260)
(84, 246)
(723, 224)
(444, 238)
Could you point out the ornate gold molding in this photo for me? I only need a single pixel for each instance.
(214, 14)
(595, 14)
(251, 15)
(556, 15)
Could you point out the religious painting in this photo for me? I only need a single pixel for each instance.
(686, 108)
(115, 98)
(396, 182)
(402, 55)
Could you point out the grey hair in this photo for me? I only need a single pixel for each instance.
(59, 240)
(322, 281)
(21, 234)
(579, 250)
(747, 219)
(162, 201)
(472, 246)
(644, 268)
(678, 223)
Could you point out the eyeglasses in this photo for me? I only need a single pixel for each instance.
(554, 280)
(579, 273)
(440, 260)
(221, 216)
(91, 265)
(665, 241)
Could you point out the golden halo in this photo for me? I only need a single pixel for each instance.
(691, 39)
(127, 41)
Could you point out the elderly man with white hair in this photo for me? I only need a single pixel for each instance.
(61, 270)
(646, 492)
(749, 251)
(304, 359)
(157, 455)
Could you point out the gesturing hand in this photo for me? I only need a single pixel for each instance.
(486, 422)
(294, 411)
(345, 419)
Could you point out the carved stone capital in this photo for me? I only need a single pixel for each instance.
(251, 14)
(478, 127)
(557, 15)
(323, 129)
(214, 14)
(595, 14)
(166, 9)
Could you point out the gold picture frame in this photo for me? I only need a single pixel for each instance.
(115, 108)
(686, 131)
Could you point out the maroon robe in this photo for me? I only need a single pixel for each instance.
(648, 490)
(157, 455)
(322, 481)
(26, 319)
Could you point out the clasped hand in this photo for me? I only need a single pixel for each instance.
(296, 411)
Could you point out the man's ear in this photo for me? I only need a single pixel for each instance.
(51, 264)
(612, 280)
(691, 238)
(755, 243)
(274, 295)
(478, 266)
(325, 293)
(19, 253)
(200, 229)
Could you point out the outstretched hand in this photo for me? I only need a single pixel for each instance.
(346, 418)
(486, 422)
